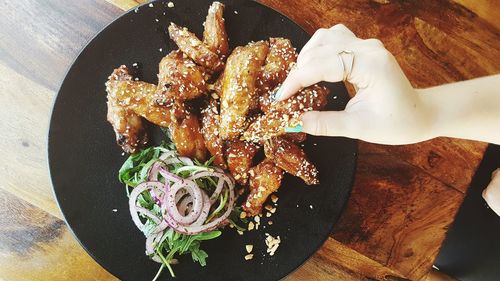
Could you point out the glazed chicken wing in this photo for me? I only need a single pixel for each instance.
(187, 137)
(210, 130)
(214, 35)
(265, 178)
(190, 45)
(238, 87)
(295, 137)
(180, 78)
(286, 113)
(291, 158)
(281, 57)
(129, 127)
(239, 155)
(142, 98)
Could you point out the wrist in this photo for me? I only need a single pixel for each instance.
(432, 118)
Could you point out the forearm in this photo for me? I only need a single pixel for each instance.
(468, 109)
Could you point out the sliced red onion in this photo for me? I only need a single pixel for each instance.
(220, 184)
(195, 229)
(167, 154)
(133, 199)
(149, 214)
(184, 205)
(172, 161)
(205, 211)
(186, 161)
(170, 176)
(194, 192)
(155, 170)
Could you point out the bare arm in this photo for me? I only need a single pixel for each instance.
(468, 109)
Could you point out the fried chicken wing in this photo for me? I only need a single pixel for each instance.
(214, 35)
(291, 158)
(282, 55)
(187, 137)
(180, 78)
(210, 130)
(296, 137)
(265, 178)
(129, 127)
(143, 99)
(190, 45)
(238, 87)
(239, 155)
(286, 113)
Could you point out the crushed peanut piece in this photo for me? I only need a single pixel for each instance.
(274, 198)
(249, 248)
(249, 257)
(251, 226)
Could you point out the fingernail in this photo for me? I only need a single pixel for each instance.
(277, 94)
(295, 129)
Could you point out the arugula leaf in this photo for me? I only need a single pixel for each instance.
(198, 254)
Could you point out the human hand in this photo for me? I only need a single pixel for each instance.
(492, 192)
(386, 109)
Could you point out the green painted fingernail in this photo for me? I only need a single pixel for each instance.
(295, 129)
(277, 94)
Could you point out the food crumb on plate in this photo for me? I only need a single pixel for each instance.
(249, 257)
(170, 4)
(272, 243)
(160, 49)
(249, 248)
(115, 210)
(235, 12)
(311, 207)
(151, 5)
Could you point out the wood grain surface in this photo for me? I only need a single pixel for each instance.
(404, 197)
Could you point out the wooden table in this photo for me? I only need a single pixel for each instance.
(404, 197)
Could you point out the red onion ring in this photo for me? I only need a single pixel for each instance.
(133, 199)
(204, 212)
(168, 154)
(222, 178)
(170, 176)
(194, 192)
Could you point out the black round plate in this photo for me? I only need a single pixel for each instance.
(84, 158)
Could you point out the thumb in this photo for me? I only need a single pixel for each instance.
(329, 123)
